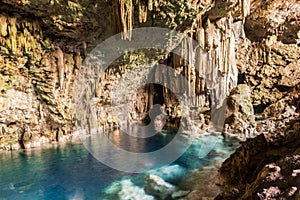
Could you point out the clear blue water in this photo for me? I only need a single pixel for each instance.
(69, 171)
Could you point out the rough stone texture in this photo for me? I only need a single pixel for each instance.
(264, 167)
(126, 190)
(272, 71)
(268, 62)
(93, 21)
(73, 22)
(207, 188)
(269, 56)
(35, 85)
(240, 113)
(273, 17)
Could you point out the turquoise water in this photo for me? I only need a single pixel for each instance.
(69, 171)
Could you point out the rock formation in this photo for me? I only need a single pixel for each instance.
(264, 167)
(48, 41)
(247, 59)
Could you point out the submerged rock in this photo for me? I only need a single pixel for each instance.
(126, 190)
(156, 186)
(170, 173)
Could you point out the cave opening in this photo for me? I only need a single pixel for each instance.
(169, 104)
(157, 91)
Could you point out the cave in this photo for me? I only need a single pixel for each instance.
(171, 117)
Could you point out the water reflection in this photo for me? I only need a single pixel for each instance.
(133, 144)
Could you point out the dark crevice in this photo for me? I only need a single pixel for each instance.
(260, 108)
(241, 78)
(283, 88)
(158, 96)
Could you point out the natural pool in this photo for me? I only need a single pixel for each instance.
(69, 171)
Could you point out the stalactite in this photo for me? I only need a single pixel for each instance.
(3, 26)
(191, 69)
(60, 67)
(184, 63)
(77, 60)
(150, 5)
(142, 12)
(26, 35)
(67, 75)
(115, 17)
(200, 63)
(123, 18)
(209, 68)
(84, 47)
(233, 71)
(245, 8)
(229, 22)
(269, 41)
(150, 94)
(12, 29)
(126, 14)
(193, 80)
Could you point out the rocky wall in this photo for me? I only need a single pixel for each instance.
(264, 167)
(43, 44)
(36, 84)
